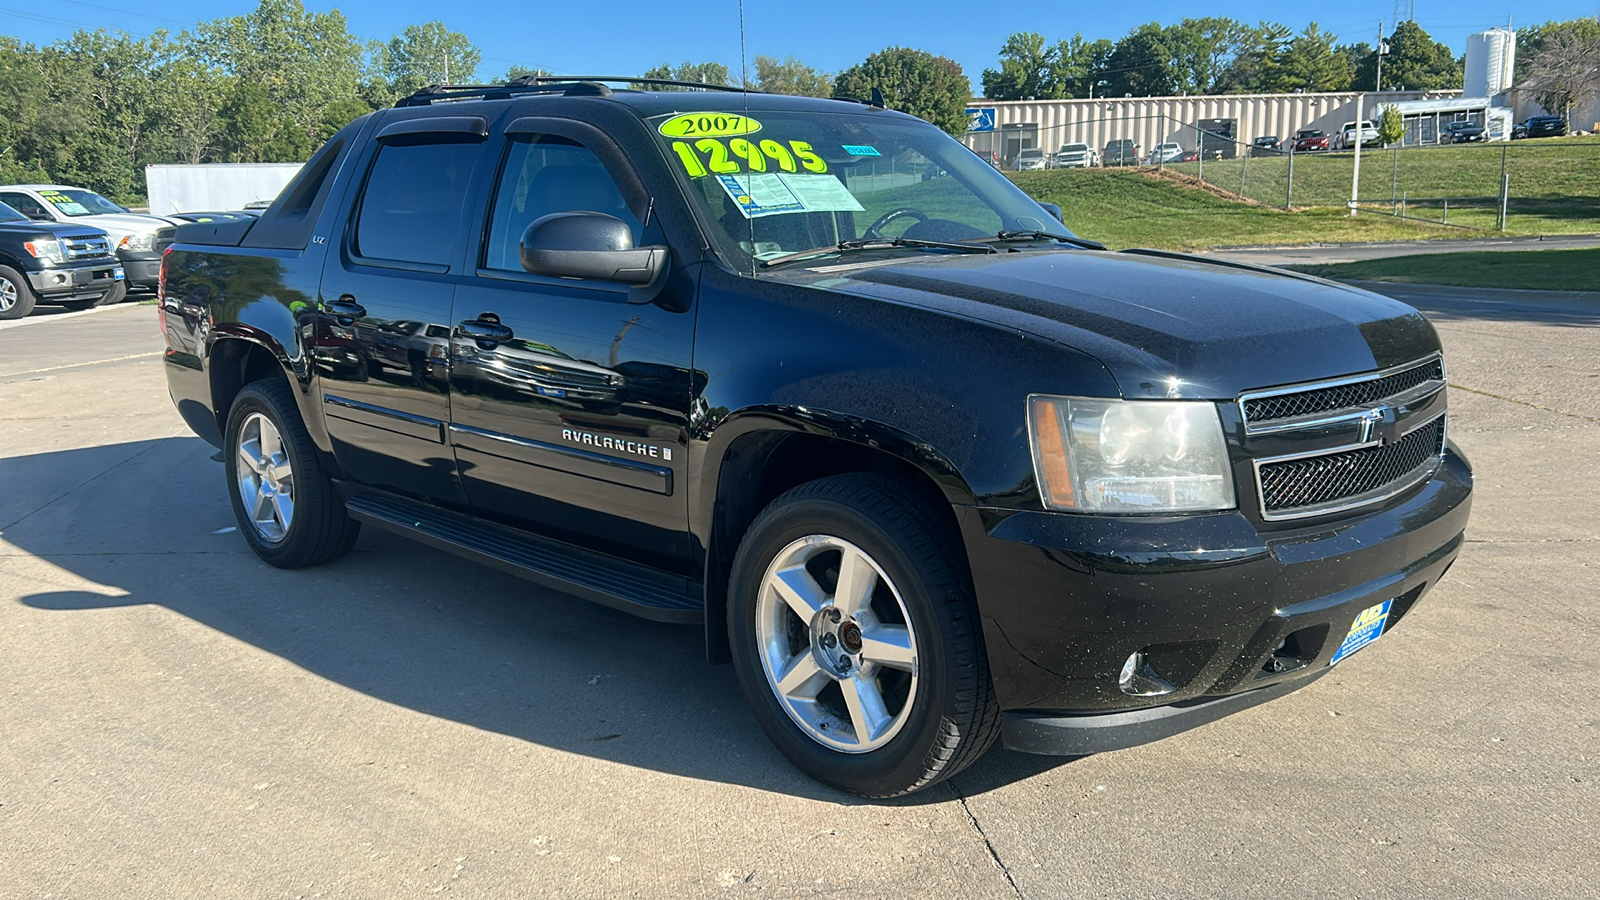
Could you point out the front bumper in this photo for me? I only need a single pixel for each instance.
(84, 282)
(144, 269)
(1227, 613)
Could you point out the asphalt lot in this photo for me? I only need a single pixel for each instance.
(182, 720)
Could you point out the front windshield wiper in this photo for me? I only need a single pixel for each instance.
(1032, 235)
(877, 244)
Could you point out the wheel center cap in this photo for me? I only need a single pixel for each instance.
(850, 636)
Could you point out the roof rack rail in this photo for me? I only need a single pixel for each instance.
(584, 85)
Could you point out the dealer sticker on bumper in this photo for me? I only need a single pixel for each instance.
(1366, 629)
(118, 274)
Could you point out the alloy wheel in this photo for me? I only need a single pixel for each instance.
(837, 644)
(265, 478)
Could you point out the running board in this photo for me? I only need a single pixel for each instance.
(606, 580)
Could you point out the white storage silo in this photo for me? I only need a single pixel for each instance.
(1491, 59)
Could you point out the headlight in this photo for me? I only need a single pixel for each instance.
(45, 250)
(1129, 456)
(136, 242)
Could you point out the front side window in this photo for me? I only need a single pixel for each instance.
(25, 205)
(774, 183)
(7, 214)
(411, 209)
(546, 174)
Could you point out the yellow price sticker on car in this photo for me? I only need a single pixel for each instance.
(699, 125)
(727, 157)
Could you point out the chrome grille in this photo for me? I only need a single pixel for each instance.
(1313, 484)
(1336, 445)
(84, 246)
(1349, 395)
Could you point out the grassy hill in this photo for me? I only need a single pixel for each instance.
(1130, 208)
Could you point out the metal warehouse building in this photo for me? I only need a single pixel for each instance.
(1008, 127)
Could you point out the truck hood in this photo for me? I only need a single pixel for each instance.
(1167, 326)
(119, 225)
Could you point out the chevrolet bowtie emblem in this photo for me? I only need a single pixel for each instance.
(1380, 424)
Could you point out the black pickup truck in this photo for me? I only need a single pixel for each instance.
(928, 468)
(67, 264)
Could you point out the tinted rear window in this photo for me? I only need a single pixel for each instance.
(411, 209)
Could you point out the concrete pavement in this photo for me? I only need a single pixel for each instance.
(180, 719)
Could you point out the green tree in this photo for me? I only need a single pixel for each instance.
(791, 76)
(1311, 64)
(1558, 63)
(1417, 62)
(1029, 69)
(1391, 125)
(1081, 66)
(1362, 62)
(426, 54)
(698, 73)
(913, 81)
(1260, 64)
(302, 60)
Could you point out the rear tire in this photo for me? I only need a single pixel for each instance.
(16, 295)
(286, 505)
(881, 695)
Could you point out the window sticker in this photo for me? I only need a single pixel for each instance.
(778, 193)
(716, 156)
(699, 125)
(821, 193)
(860, 150)
(64, 203)
(760, 195)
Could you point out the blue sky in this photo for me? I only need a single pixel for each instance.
(624, 39)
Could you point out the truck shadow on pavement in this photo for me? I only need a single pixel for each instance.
(406, 624)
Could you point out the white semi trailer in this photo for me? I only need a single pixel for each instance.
(214, 187)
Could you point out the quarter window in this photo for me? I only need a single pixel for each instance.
(411, 209)
(542, 175)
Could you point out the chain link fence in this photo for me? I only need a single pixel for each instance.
(1534, 185)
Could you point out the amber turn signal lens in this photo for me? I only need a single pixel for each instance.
(1047, 420)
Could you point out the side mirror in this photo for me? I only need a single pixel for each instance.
(589, 245)
(1053, 210)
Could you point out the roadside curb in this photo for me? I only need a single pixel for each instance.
(1516, 240)
(1452, 290)
(59, 317)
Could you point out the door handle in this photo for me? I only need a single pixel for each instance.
(483, 330)
(345, 309)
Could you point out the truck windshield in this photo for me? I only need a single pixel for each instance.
(74, 202)
(775, 183)
(7, 214)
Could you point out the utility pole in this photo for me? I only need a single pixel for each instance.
(1379, 86)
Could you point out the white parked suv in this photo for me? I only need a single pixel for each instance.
(1347, 135)
(1031, 158)
(1077, 156)
(133, 235)
(1165, 153)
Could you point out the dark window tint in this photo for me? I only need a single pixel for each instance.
(24, 204)
(542, 176)
(411, 209)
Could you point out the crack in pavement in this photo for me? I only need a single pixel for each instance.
(92, 478)
(994, 855)
(1462, 387)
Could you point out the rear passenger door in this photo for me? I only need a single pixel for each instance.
(572, 420)
(387, 288)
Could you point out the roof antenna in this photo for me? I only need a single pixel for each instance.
(877, 98)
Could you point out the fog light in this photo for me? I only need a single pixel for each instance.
(1139, 680)
(61, 279)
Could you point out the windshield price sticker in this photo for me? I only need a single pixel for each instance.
(717, 156)
(774, 194)
(699, 125)
(64, 203)
(860, 150)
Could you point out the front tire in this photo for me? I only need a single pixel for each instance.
(285, 504)
(856, 637)
(16, 295)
